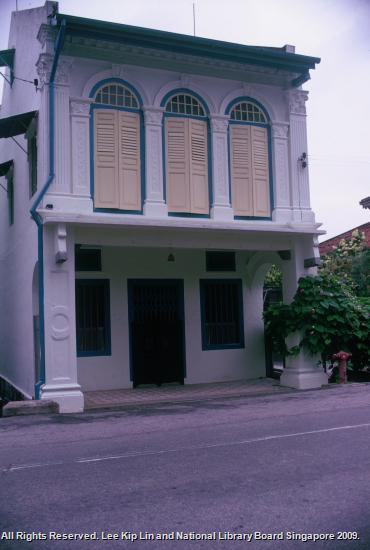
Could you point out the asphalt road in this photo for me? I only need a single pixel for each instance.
(295, 467)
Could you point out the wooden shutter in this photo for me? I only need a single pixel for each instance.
(241, 170)
(260, 169)
(129, 179)
(199, 201)
(177, 155)
(105, 159)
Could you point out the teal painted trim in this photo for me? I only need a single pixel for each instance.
(105, 283)
(267, 218)
(187, 91)
(142, 155)
(250, 100)
(36, 216)
(187, 215)
(237, 345)
(115, 80)
(150, 38)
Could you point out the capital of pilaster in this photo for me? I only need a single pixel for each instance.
(296, 101)
(280, 130)
(44, 65)
(80, 106)
(219, 123)
(153, 116)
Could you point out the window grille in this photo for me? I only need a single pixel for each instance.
(184, 104)
(32, 164)
(246, 111)
(116, 95)
(222, 317)
(92, 317)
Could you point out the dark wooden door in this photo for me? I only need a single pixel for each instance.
(156, 331)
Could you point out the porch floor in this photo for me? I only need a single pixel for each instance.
(175, 393)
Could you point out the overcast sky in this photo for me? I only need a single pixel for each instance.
(338, 109)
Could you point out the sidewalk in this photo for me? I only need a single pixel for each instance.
(174, 393)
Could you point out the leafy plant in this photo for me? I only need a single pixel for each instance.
(328, 316)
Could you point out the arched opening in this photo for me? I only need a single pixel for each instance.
(264, 268)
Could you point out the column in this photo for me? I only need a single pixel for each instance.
(154, 204)
(221, 207)
(282, 210)
(298, 145)
(60, 320)
(300, 371)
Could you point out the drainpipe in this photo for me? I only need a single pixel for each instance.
(36, 216)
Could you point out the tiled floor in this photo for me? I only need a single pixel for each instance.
(176, 393)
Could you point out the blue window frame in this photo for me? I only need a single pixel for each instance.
(221, 302)
(92, 317)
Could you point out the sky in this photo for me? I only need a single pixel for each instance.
(338, 109)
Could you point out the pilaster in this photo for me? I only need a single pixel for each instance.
(80, 145)
(300, 194)
(282, 209)
(154, 205)
(60, 320)
(221, 207)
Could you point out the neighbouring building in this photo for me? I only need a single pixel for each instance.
(155, 179)
(328, 246)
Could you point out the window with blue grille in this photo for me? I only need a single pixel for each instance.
(221, 313)
(92, 317)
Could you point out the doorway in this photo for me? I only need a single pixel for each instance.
(156, 317)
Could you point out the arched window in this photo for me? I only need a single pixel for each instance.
(249, 160)
(116, 95)
(117, 142)
(246, 111)
(186, 133)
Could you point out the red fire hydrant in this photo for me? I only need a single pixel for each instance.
(342, 357)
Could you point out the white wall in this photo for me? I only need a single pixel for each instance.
(121, 264)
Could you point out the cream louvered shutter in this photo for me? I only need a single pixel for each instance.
(177, 155)
(129, 180)
(260, 170)
(199, 201)
(105, 159)
(241, 170)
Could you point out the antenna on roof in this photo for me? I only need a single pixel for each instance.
(194, 17)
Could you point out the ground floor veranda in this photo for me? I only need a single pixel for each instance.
(154, 309)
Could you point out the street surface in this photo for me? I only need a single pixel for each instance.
(262, 472)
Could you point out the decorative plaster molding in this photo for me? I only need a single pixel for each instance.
(186, 80)
(296, 100)
(219, 123)
(60, 243)
(80, 106)
(46, 33)
(44, 65)
(153, 115)
(280, 131)
(248, 89)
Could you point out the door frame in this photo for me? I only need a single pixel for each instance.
(177, 283)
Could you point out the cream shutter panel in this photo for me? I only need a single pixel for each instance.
(105, 159)
(199, 200)
(177, 155)
(241, 170)
(129, 179)
(260, 169)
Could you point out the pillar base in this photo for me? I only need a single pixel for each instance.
(154, 209)
(69, 397)
(222, 213)
(303, 380)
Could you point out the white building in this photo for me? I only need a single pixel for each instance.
(156, 178)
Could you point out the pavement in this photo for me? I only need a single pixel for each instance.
(175, 393)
